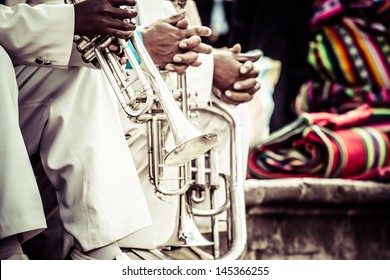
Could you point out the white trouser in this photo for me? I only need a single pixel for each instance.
(68, 117)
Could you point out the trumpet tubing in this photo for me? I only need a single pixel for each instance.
(234, 205)
(190, 142)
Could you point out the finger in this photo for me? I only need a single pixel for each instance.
(236, 48)
(178, 68)
(190, 58)
(194, 44)
(198, 30)
(217, 92)
(200, 48)
(190, 43)
(222, 96)
(115, 48)
(227, 100)
(196, 63)
(252, 56)
(182, 24)
(122, 60)
(118, 3)
(254, 73)
(118, 25)
(181, 3)
(249, 85)
(175, 18)
(238, 96)
(123, 14)
(203, 48)
(246, 67)
(118, 33)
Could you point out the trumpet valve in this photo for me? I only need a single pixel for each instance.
(193, 94)
(193, 115)
(89, 55)
(214, 167)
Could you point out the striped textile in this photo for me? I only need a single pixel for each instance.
(349, 56)
(325, 145)
(343, 124)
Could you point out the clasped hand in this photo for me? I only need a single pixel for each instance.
(104, 17)
(174, 45)
(235, 76)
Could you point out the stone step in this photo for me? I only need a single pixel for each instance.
(310, 218)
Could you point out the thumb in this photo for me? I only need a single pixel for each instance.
(217, 92)
(182, 24)
(236, 48)
(175, 18)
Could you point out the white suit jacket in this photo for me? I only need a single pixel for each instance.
(42, 39)
(45, 94)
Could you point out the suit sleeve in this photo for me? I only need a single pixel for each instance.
(42, 34)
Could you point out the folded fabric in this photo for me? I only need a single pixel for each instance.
(325, 145)
(349, 57)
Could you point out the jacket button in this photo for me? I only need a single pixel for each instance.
(39, 60)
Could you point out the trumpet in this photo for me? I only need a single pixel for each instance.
(189, 142)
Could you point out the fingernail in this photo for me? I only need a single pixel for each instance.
(177, 59)
(182, 45)
(169, 67)
(237, 86)
(228, 93)
(244, 70)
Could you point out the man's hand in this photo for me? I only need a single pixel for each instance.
(174, 45)
(104, 17)
(235, 76)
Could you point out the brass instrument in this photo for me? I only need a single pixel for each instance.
(226, 237)
(200, 179)
(233, 182)
(201, 176)
(190, 142)
(194, 155)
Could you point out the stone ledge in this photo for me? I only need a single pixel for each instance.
(313, 190)
(310, 218)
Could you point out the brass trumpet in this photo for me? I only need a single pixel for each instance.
(190, 142)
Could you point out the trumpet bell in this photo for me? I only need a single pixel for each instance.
(191, 148)
(187, 233)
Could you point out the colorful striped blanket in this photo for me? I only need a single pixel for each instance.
(343, 124)
(349, 57)
(326, 145)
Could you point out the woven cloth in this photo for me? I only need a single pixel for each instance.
(326, 145)
(342, 129)
(349, 57)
